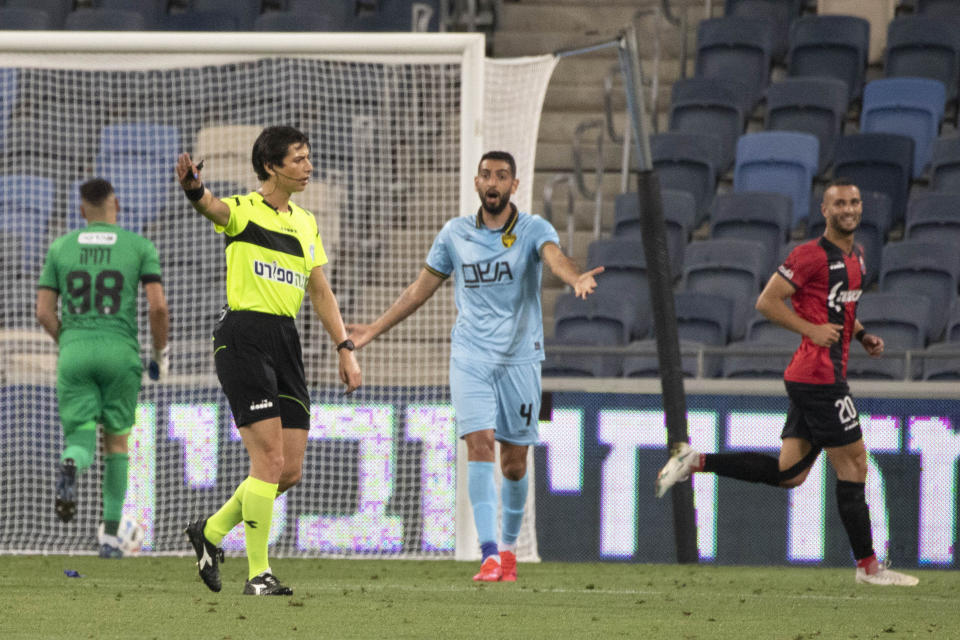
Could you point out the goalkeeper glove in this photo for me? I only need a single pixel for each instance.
(159, 363)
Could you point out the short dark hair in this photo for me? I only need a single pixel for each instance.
(271, 147)
(840, 181)
(95, 191)
(503, 156)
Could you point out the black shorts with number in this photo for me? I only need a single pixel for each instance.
(260, 367)
(823, 414)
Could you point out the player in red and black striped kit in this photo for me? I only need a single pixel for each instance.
(822, 278)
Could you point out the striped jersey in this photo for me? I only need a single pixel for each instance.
(270, 255)
(827, 288)
(497, 277)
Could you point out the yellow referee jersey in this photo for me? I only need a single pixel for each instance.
(270, 255)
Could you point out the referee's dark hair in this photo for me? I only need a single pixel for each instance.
(271, 147)
(95, 191)
(503, 156)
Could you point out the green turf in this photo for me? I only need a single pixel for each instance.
(163, 598)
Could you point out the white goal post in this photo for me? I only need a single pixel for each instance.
(397, 124)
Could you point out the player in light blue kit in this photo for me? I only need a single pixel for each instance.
(496, 258)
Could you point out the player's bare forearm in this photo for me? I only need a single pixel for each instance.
(563, 267)
(159, 315)
(326, 306)
(772, 303)
(412, 298)
(47, 313)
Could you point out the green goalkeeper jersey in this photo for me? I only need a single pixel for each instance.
(97, 271)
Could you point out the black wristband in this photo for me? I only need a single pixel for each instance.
(859, 335)
(194, 195)
(346, 344)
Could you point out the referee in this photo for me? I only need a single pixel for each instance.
(274, 253)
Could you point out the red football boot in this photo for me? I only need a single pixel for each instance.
(490, 571)
(508, 561)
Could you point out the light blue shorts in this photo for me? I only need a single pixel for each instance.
(502, 397)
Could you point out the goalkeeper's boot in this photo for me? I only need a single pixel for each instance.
(508, 564)
(885, 577)
(209, 556)
(265, 584)
(490, 571)
(683, 460)
(66, 502)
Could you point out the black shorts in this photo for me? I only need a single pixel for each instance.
(822, 414)
(260, 367)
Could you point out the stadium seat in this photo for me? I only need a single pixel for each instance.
(9, 94)
(830, 46)
(708, 106)
(687, 162)
(729, 267)
(780, 13)
(907, 106)
(817, 106)
(340, 15)
(771, 345)
(937, 8)
(934, 216)
(104, 20)
(603, 319)
(945, 368)
(927, 268)
(878, 13)
(57, 10)
(872, 234)
(880, 162)
(679, 212)
(625, 272)
(17, 297)
(192, 20)
(140, 140)
(225, 150)
(945, 165)
(736, 49)
(24, 19)
(25, 210)
(780, 162)
(703, 319)
(402, 15)
(923, 47)
(289, 21)
(244, 12)
(153, 11)
(753, 215)
(902, 320)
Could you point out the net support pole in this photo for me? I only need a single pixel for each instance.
(654, 237)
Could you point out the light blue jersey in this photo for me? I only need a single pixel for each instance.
(497, 277)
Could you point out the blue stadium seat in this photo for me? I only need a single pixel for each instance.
(16, 288)
(736, 49)
(340, 15)
(244, 12)
(911, 107)
(25, 211)
(872, 234)
(625, 272)
(945, 165)
(679, 213)
(603, 319)
(902, 320)
(729, 267)
(403, 15)
(153, 11)
(24, 19)
(943, 368)
(878, 162)
(923, 47)
(289, 21)
(780, 162)
(753, 215)
(57, 10)
(813, 105)
(104, 20)
(934, 216)
(687, 162)
(140, 140)
(763, 337)
(192, 20)
(780, 13)
(833, 46)
(927, 268)
(708, 106)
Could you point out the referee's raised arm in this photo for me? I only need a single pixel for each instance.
(188, 174)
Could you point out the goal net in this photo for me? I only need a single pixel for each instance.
(397, 124)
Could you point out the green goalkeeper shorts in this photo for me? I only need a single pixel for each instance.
(98, 379)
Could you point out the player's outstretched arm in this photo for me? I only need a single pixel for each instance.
(566, 269)
(409, 301)
(188, 174)
(327, 308)
(47, 312)
(159, 316)
(772, 303)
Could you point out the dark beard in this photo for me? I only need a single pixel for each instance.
(835, 227)
(498, 208)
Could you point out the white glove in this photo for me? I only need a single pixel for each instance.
(159, 363)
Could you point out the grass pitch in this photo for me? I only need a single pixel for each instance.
(163, 598)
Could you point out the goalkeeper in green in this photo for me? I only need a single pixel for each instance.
(97, 271)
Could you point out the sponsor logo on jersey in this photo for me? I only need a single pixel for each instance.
(97, 237)
(275, 273)
(837, 265)
(478, 275)
(838, 298)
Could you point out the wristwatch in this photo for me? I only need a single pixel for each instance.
(346, 344)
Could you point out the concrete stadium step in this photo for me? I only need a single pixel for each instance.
(568, 18)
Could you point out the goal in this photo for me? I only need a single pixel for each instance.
(397, 124)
